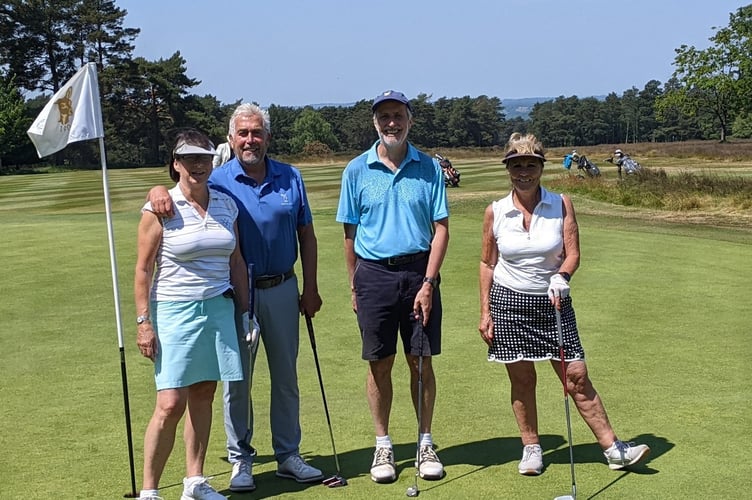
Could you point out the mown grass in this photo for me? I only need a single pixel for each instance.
(660, 299)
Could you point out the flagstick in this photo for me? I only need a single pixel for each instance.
(115, 288)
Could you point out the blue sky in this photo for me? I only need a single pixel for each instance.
(297, 52)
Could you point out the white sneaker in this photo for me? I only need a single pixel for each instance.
(382, 467)
(200, 490)
(532, 460)
(296, 468)
(242, 479)
(622, 454)
(150, 497)
(428, 463)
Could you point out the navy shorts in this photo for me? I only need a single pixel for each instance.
(385, 295)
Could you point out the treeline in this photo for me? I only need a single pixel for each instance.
(143, 101)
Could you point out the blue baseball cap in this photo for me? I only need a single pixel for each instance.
(391, 95)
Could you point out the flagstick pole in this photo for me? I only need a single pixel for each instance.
(115, 288)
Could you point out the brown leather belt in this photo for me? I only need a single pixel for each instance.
(263, 282)
(400, 260)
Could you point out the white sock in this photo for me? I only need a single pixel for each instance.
(383, 441)
(426, 439)
(190, 481)
(148, 493)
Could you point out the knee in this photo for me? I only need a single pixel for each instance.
(170, 406)
(579, 383)
(382, 368)
(202, 392)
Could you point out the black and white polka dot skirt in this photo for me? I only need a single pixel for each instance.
(525, 328)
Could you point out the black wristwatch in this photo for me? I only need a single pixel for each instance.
(430, 281)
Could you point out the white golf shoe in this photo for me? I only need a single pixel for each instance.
(429, 465)
(294, 467)
(622, 454)
(242, 479)
(532, 460)
(382, 467)
(200, 490)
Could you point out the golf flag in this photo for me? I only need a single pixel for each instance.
(73, 114)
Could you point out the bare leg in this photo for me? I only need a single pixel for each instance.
(379, 393)
(160, 433)
(198, 426)
(523, 379)
(587, 401)
(429, 390)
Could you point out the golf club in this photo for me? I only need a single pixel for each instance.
(252, 338)
(336, 480)
(413, 490)
(573, 496)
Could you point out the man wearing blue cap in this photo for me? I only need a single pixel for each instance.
(396, 221)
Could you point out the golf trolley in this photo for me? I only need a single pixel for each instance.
(624, 162)
(583, 164)
(451, 175)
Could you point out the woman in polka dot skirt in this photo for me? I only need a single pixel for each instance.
(530, 250)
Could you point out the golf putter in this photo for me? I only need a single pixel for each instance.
(560, 333)
(252, 338)
(337, 479)
(413, 490)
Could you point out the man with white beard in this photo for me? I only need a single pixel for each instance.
(396, 224)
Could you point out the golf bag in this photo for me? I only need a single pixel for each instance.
(451, 175)
(626, 163)
(583, 163)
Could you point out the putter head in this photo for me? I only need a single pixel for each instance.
(334, 481)
(412, 491)
(565, 497)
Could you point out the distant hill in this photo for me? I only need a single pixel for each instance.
(514, 108)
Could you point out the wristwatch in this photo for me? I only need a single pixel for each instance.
(430, 281)
(141, 319)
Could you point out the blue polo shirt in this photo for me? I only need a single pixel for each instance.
(269, 213)
(394, 211)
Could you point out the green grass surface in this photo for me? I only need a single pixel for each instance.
(661, 307)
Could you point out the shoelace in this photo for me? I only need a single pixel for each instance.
(383, 456)
(203, 487)
(243, 467)
(529, 452)
(297, 463)
(427, 454)
(622, 448)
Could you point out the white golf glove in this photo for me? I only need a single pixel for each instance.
(251, 329)
(558, 287)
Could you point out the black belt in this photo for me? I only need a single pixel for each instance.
(263, 282)
(400, 260)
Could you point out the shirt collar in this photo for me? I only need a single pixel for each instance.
(373, 155)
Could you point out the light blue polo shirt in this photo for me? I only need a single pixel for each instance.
(394, 211)
(269, 214)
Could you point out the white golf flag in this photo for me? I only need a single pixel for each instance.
(73, 114)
